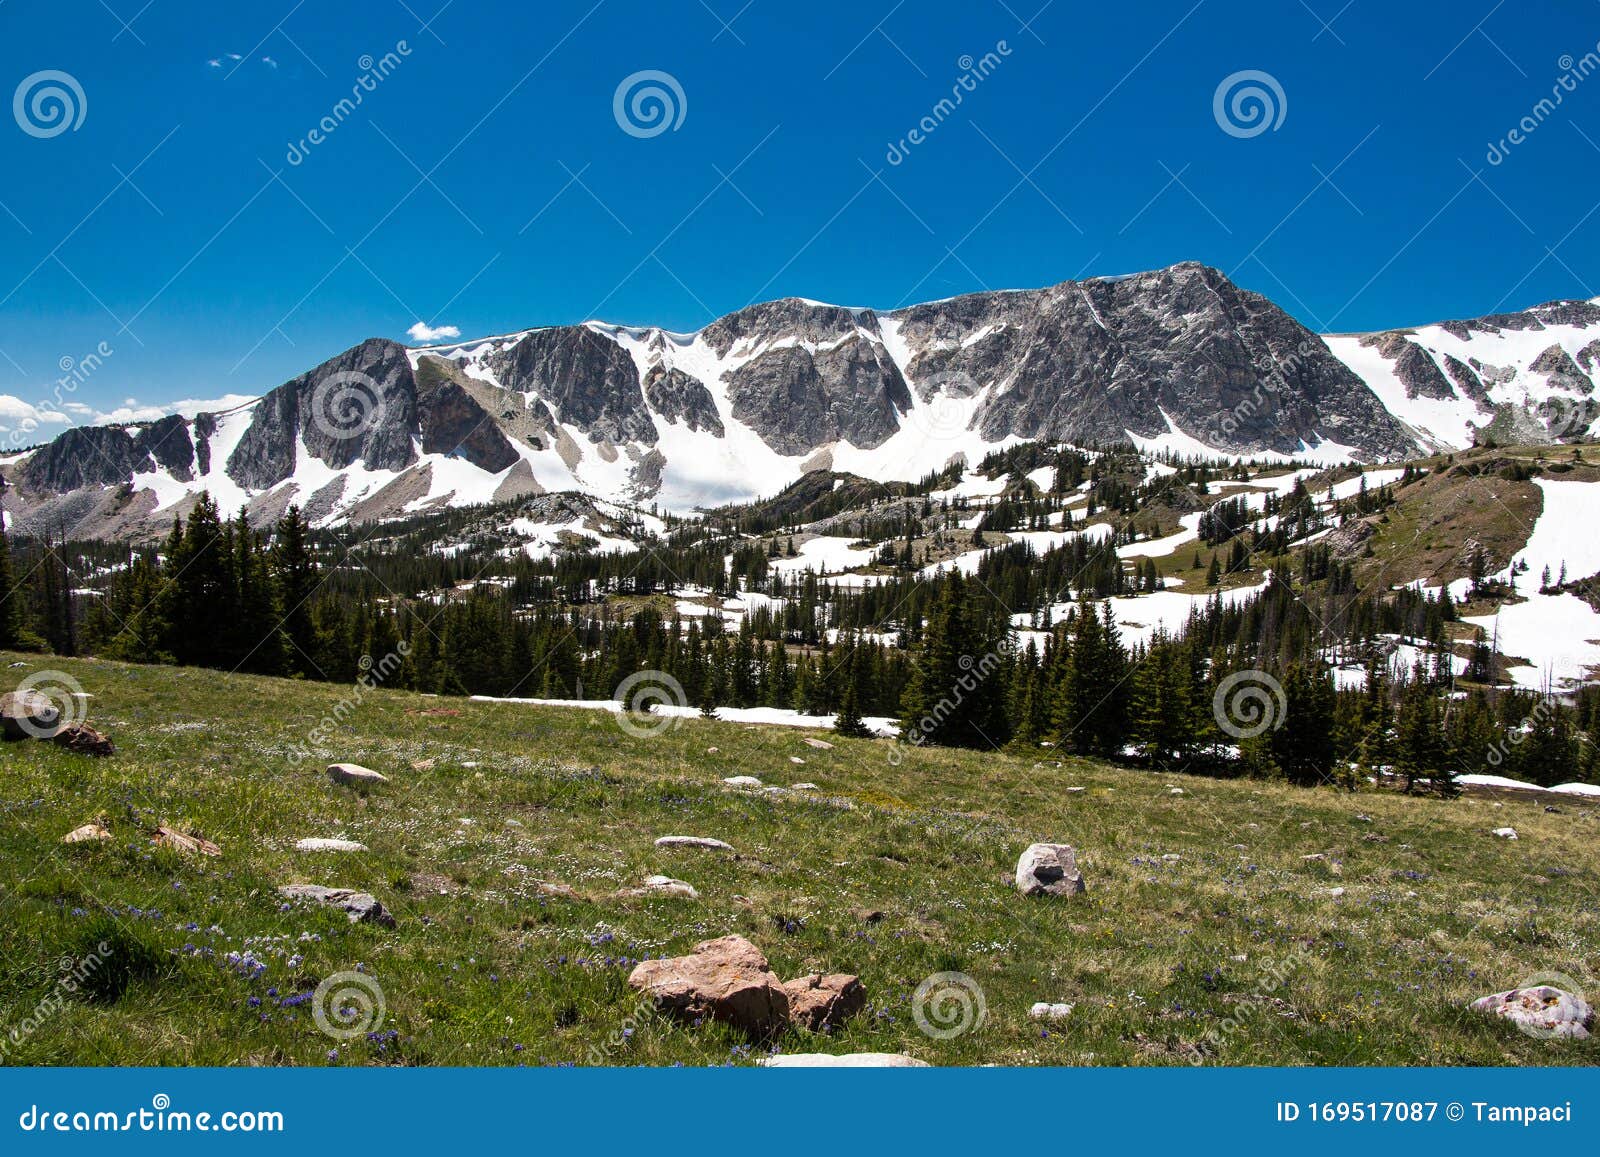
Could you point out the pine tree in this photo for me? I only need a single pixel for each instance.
(11, 616)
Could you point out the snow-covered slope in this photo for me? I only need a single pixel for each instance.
(1522, 377)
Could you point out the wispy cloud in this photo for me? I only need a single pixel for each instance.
(424, 332)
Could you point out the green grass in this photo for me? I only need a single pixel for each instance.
(1436, 911)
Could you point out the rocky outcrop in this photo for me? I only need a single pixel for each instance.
(589, 380)
(1096, 360)
(679, 398)
(727, 980)
(358, 407)
(821, 1003)
(109, 456)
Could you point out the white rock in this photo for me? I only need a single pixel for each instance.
(1541, 1010)
(1172, 857)
(693, 842)
(1505, 833)
(822, 744)
(354, 773)
(843, 1061)
(742, 781)
(1076, 790)
(319, 845)
(807, 786)
(1049, 869)
(795, 759)
(1175, 791)
(1044, 1010)
(1336, 892)
(667, 886)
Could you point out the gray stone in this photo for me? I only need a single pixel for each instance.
(329, 845)
(693, 842)
(1049, 869)
(361, 907)
(1044, 1010)
(28, 714)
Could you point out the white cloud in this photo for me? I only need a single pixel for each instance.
(18, 417)
(215, 62)
(132, 411)
(424, 332)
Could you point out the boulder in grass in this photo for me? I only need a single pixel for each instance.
(81, 739)
(354, 775)
(820, 744)
(662, 886)
(727, 980)
(1045, 1010)
(742, 781)
(322, 845)
(843, 1061)
(361, 907)
(1049, 870)
(28, 715)
(1541, 1010)
(693, 842)
(820, 1003)
(87, 834)
(191, 845)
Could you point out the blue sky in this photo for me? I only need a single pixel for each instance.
(485, 183)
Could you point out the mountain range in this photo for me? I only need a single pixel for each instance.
(1178, 359)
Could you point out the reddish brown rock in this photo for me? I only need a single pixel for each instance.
(820, 1003)
(82, 739)
(727, 980)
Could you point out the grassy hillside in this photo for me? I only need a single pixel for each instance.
(1205, 935)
